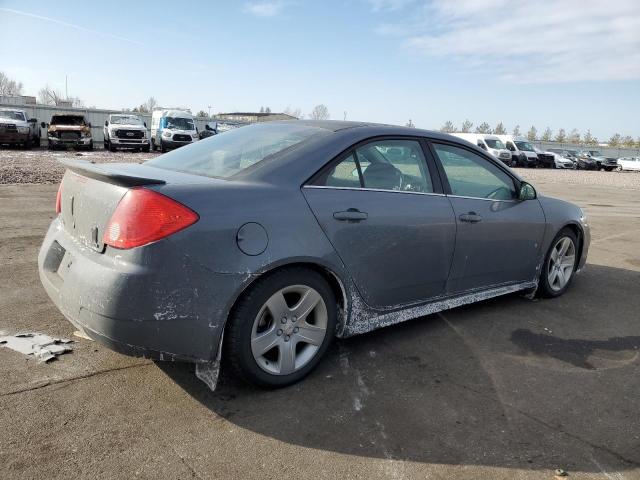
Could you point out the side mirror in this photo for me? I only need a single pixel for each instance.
(106, 123)
(145, 124)
(33, 120)
(527, 192)
(43, 125)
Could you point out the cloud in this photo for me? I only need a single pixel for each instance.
(523, 41)
(264, 8)
(69, 25)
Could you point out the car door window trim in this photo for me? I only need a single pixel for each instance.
(364, 189)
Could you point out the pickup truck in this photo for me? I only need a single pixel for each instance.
(68, 130)
(15, 129)
(125, 131)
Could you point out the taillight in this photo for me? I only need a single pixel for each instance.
(144, 216)
(59, 200)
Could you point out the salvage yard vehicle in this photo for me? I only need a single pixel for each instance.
(522, 152)
(283, 235)
(15, 129)
(586, 162)
(489, 143)
(125, 131)
(210, 129)
(562, 158)
(602, 163)
(172, 129)
(68, 130)
(628, 163)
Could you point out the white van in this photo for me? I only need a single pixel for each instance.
(491, 143)
(522, 152)
(171, 128)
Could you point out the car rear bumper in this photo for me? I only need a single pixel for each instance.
(167, 309)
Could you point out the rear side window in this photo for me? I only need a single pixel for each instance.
(471, 175)
(397, 165)
(229, 153)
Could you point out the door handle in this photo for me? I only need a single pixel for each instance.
(350, 215)
(471, 217)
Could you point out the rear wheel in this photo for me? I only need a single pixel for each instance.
(559, 264)
(281, 328)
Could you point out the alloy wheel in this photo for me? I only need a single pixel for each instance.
(561, 263)
(289, 330)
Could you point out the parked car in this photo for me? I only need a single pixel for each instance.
(522, 152)
(562, 158)
(628, 163)
(586, 162)
(210, 129)
(283, 235)
(602, 163)
(489, 143)
(68, 130)
(16, 129)
(172, 129)
(125, 131)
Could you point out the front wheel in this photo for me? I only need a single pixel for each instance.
(145, 149)
(559, 264)
(163, 149)
(281, 327)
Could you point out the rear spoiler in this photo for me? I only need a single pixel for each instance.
(109, 173)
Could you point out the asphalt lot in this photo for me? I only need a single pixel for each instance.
(508, 388)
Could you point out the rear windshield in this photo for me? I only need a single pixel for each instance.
(229, 153)
(67, 120)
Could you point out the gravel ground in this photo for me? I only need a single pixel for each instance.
(43, 167)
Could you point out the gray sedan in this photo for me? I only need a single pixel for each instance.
(265, 242)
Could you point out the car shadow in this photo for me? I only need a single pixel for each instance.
(501, 383)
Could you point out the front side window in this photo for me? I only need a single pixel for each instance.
(471, 175)
(397, 165)
(494, 143)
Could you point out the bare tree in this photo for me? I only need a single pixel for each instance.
(588, 139)
(484, 127)
(627, 141)
(516, 131)
(532, 134)
(202, 114)
(546, 136)
(9, 87)
(151, 103)
(561, 136)
(615, 139)
(466, 126)
(50, 96)
(448, 127)
(500, 129)
(319, 112)
(574, 136)
(297, 113)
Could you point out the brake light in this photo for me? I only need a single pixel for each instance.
(59, 200)
(144, 216)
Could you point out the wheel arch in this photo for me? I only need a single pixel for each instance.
(579, 233)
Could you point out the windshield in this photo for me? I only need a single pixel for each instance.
(525, 146)
(496, 144)
(229, 153)
(75, 120)
(126, 120)
(12, 115)
(595, 153)
(178, 123)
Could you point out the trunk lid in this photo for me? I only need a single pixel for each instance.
(91, 192)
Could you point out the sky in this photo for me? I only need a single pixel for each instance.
(548, 63)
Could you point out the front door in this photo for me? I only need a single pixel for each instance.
(393, 230)
(499, 237)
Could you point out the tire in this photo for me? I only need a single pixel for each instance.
(253, 318)
(553, 285)
(619, 168)
(49, 146)
(153, 144)
(145, 149)
(90, 147)
(112, 148)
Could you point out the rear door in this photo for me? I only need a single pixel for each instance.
(381, 206)
(499, 237)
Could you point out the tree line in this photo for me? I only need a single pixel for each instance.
(548, 135)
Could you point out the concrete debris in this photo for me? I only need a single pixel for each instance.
(43, 347)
